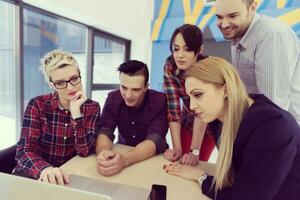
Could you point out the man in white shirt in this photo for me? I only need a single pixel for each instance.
(265, 51)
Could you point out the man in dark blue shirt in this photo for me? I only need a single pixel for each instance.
(140, 115)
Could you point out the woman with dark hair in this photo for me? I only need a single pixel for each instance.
(187, 132)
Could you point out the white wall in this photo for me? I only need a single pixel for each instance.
(130, 19)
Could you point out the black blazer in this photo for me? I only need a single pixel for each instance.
(266, 156)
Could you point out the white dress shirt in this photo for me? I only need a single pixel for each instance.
(268, 61)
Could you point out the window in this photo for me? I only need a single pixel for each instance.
(109, 53)
(21, 78)
(42, 34)
(7, 75)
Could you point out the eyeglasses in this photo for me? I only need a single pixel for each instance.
(63, 84)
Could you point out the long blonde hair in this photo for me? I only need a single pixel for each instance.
(218, 71)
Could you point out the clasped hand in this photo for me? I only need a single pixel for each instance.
(175, 155)
(110, 162)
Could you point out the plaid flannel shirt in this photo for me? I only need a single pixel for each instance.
(175, 90)
(50, 136)
(147, 122)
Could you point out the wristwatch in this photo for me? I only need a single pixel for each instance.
(202, 178)
(195, 152)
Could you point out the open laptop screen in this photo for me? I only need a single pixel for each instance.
(115, 191)
(19, 188)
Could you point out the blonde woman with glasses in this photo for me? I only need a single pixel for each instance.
(57, 126)
(259, 143)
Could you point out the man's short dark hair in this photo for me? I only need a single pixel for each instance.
(134, 68)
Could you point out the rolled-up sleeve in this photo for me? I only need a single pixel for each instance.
(108, 121)
(160, 143)
(29, 160)
(85, 129)
(158, 127)
(172, 91)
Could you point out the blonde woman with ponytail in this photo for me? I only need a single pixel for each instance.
(258, 142)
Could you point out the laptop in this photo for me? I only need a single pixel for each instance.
(115, 191)
(18, 188)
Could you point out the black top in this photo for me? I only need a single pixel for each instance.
(266, 156)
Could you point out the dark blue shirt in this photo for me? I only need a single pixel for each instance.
(147, 122)
(266, 156)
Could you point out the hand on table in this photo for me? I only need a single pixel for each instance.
(184, 171)
(189, 159)
(172, 154)
(54, 175)
(110, 162)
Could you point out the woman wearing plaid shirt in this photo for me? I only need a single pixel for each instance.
(187, 132)
(57, 126)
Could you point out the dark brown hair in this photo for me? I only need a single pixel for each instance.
(193, 39)
(134, 68)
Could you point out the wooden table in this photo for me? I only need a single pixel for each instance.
(142, 174)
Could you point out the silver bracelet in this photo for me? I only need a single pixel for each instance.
(202, 178)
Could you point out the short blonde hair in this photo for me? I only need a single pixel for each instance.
(219, 72)
(56, 59)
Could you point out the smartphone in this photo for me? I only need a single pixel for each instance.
(158, 192)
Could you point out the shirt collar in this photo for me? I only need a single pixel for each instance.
(245, 39)
(179, 73)
(54, 101)
(137, 109)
